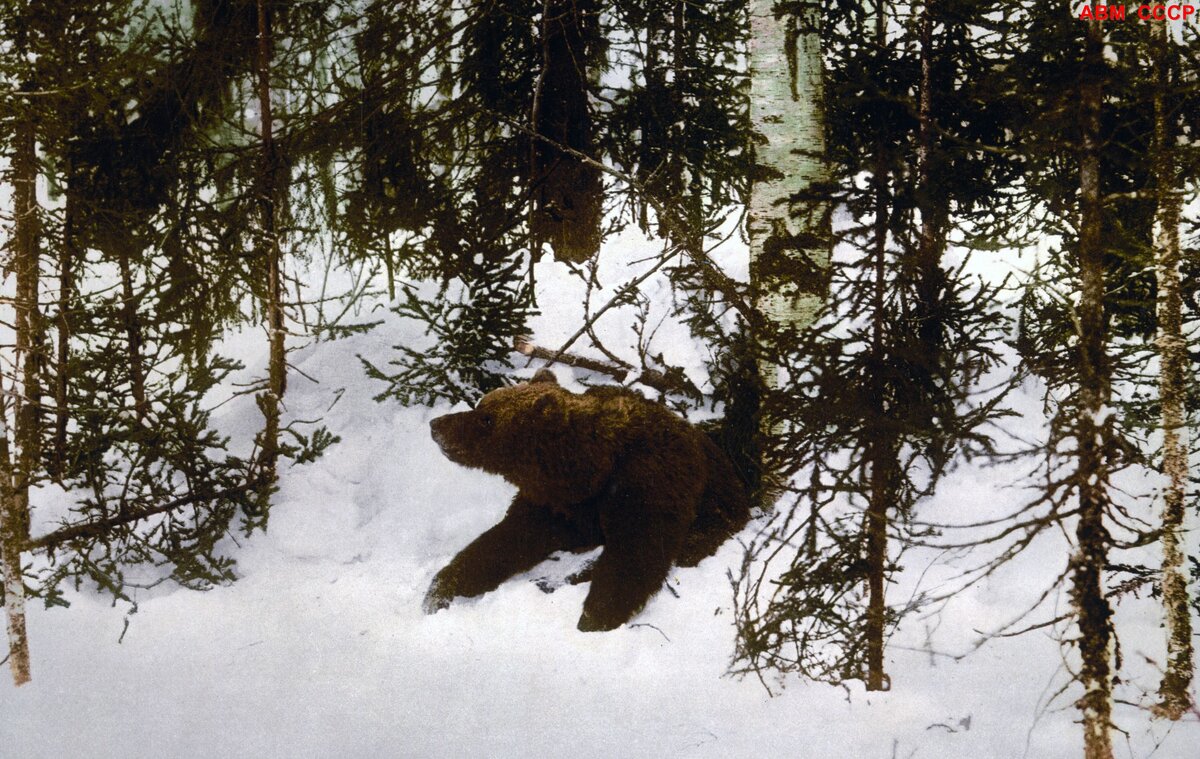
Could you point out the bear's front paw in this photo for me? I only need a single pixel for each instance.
(593, 623)
(437, 597)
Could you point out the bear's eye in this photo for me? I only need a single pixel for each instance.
(486, 420)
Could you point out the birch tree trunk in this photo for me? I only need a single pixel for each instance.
(27, 328)
(1172, 349)
(16, 471)
(12, 538)
(788, 220)
(1093, 613)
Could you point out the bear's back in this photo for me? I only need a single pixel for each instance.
(631, 418)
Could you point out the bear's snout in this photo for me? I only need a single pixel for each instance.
(438, 428)
(436, 425)
(446, 431)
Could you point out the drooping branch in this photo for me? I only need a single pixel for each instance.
(568, 191)
(130, 514)
(127, 163)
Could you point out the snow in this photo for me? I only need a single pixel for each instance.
(321, 649)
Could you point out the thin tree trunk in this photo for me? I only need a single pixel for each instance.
(882, 459)
(28, 327)
(931, 201)
(66, 275)
(788, 217)
(881, 449)
(13, 534)
(17, 471)
(684, 43)
(272, 399)
(1172, 348)
(1092, 608)
(133, 326)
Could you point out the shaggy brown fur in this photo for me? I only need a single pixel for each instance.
(605, 468)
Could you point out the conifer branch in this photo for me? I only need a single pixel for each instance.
(100, 527)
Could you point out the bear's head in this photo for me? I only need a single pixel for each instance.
(507, 428)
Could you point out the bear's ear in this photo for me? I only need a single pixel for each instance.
(547, 404)
(544, 375)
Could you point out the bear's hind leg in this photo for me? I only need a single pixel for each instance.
(638, 554)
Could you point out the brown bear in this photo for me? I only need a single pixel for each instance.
(603, 468)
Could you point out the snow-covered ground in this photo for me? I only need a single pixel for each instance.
(321, 649)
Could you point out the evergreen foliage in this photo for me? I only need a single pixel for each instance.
(432, 154)
(886, 388)
(144, 236)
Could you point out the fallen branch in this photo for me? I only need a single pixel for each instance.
(672, 380)
(618, 371)
(100, 527)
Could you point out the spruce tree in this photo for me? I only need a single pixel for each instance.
(1089, 174)
(886, 393)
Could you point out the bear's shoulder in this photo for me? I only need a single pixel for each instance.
(614, 395)
(621, 407)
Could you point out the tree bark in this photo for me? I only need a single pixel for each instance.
(788, 219)
(934, 208)
(272, 400)
(133, 328)
(881, 455)
(66, 276)
(13, 533)
(882, 447)
(1172, 350)
(1092, 609)
(18, 469)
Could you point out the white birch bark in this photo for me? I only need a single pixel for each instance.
(787, 224)
(17, 467)
(1172, 350)
(12, 537)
